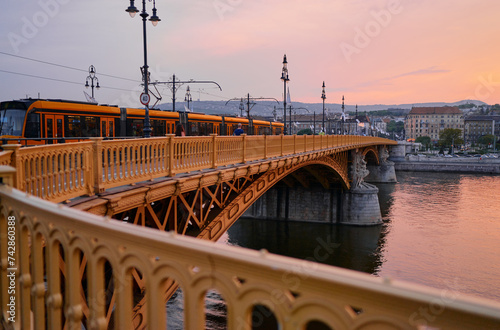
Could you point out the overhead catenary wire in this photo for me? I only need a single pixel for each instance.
(203, 92)
(65, 66)
(58, 80)
(79, 70)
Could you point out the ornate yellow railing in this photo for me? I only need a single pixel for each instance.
(57, 265)
(5, 157)
(63, 171)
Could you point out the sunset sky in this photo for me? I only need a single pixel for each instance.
(373, 52)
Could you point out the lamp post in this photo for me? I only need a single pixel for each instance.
(242, 107)
(323, 96)
(284, 77)
(91, 77)
(343, 117)
(132, 10)
(188, 98)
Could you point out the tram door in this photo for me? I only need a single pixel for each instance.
(54, 128)
(107, 127)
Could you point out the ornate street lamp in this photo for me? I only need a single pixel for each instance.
(91, 77)
(132, 10)
(242, 107)
(188, 98)
(343, 117)
(284, 77)
(323, 96)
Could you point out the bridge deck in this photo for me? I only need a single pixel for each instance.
(61, 172)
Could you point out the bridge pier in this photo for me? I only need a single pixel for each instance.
(384, 172)
(361, 206)
(358, 206)
(298, 204)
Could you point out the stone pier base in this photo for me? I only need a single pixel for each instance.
(360, 206)
(385, 173)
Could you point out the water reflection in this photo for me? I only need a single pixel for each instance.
(355, 248)
(444, 231)
(440, 230)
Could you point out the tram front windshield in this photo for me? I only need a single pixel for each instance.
(12, 118)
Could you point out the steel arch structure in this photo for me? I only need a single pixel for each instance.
(205, 205)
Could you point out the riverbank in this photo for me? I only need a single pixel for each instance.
(422, 163)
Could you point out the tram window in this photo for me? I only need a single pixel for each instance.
(32, 129)
(158, 127)
(194, 129)
(264, 130)
(203, 129)
(134, 127)
(117, 127)
(111, 124)
(50, 128)
(73, 126)
(12, 121)
(90, 126)
(59, 127)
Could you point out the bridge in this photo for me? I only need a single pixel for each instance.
(64, 268)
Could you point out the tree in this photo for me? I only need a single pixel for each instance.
(305, 131)
(424, 140)
(486, 139)
(450, 136)
(394, 126)
(467, 106)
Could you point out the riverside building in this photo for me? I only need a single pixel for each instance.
(477, 126)
(430, 121)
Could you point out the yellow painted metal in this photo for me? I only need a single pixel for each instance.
(297, 292)
(64, 171)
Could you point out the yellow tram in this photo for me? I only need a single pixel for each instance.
(36, 121)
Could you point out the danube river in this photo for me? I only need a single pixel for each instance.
(440, 229)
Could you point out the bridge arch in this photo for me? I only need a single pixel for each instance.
(371, 155)
(228, 215)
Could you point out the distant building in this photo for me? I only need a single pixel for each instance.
(334, 124)
(312, 122)
(356, 125)
(380, 125)
(477, 126)
(430, 121)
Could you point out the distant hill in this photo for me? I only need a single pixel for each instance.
(266, 108)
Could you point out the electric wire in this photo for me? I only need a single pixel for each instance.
(203, 92)
(65, 67)
(58, 80)
(79, 70)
